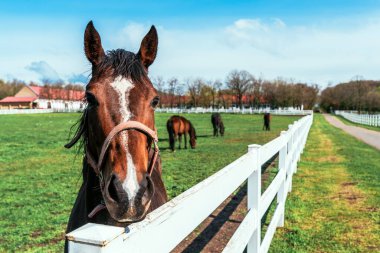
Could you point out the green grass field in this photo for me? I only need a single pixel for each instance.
(40, 179)
(334, 206)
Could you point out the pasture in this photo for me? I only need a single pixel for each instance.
(334, 205)
(40, 179)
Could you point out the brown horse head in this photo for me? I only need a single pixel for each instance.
(120, 91)
(193, 136)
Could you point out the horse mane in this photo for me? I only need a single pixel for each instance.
(81, 132)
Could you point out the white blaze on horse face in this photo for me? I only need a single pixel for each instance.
(123, 86)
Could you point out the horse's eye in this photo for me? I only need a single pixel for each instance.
(91, 99)
(155, 102)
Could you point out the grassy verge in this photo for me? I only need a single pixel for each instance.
(350, 123)
(334, 206)
(40, 179)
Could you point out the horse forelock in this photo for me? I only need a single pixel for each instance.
(125, 64)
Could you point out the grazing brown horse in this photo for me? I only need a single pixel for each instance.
(121, 167)
(217, 124)
(178, 126)
(267, 118)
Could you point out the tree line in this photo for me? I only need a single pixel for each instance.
(358, 94)
(240, 89)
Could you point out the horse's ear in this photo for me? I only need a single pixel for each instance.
(93, 45)
(148, 48)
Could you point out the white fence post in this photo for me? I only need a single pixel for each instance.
(281, 195)
(254, 195)
(290, 157)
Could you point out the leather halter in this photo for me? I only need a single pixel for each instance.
(128, 125)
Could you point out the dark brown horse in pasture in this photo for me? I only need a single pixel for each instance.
(121, 166)
(267, 119)
(217, 124)
(178, 126)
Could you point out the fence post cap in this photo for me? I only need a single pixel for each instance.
(97, 234)
(252, 147)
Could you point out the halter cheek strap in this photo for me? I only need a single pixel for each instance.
(128, 125)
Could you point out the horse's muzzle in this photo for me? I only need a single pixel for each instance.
(124, 209)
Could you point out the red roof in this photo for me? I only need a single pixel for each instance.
(56, 93)
(17, 99)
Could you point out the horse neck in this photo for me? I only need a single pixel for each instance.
(191, 130)
(160, 196)
(91, 180)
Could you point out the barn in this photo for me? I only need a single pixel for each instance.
(43, 97)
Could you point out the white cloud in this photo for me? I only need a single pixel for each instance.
(318, 53)
(129, 36)
(314, 54)
(44, 70)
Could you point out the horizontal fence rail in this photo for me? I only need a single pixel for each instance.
(236, 110)
(163, 229)
(364, 119)
(33, 111)
(25, 111)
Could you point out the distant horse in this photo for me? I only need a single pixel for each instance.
(217, 124)
(121, 168)
(178, 126)
(267, 118)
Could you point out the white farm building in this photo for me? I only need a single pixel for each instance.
(39, 97)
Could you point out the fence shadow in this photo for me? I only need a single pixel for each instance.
(198, 244)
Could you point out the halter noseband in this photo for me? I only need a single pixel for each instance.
(128, 125)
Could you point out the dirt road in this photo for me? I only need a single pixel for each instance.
(368, 136)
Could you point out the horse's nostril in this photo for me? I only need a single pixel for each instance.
(112, 189)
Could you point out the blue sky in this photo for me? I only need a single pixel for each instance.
(311, 41)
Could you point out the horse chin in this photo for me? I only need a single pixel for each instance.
(136, 218)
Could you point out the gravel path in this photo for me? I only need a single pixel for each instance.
(368, 136)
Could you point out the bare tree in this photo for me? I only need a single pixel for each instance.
(194, 89)
(257, 91)
(159, 84)
(172, 86)
(216, 86)
(239, 82)
(179, 91)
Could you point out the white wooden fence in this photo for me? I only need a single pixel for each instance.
(365, 119)
(236, 110)
(34, 111)
(25, 111)
(168, 225)
(175, 110)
